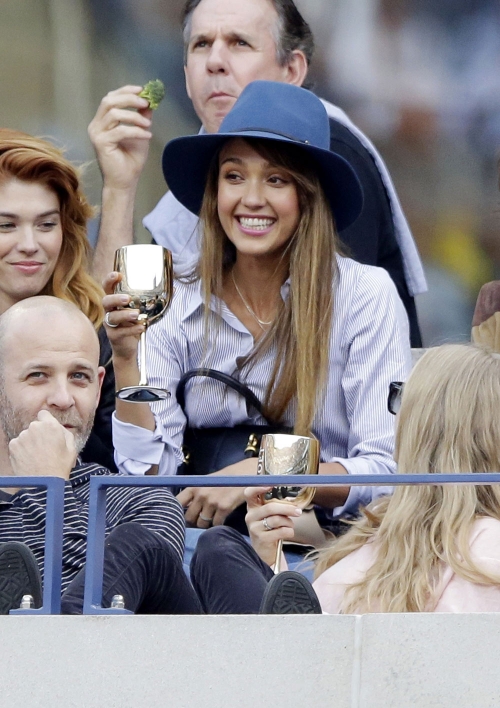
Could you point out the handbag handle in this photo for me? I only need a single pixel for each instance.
(233, 383)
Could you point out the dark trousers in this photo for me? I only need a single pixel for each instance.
(227, 574)
(144, 568)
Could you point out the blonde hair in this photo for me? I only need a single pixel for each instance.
(31, 159)
(300, 334)
(448, 422)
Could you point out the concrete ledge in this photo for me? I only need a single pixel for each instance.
(175, 662)
(376, 661)
(430, 660)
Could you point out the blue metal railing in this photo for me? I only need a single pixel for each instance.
(99, 484)
(97, 516)
(51, 599)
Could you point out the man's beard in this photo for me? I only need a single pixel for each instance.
(13, 421)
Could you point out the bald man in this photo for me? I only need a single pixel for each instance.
(49, 389)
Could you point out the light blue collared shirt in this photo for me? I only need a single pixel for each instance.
(369, 348)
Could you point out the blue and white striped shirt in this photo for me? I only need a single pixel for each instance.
(369, 349)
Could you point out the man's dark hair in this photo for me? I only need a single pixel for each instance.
(293, 32)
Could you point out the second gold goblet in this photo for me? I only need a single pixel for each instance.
(283, 454)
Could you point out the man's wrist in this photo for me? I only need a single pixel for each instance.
(119, 193)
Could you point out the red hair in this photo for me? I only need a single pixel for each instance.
(32, 159)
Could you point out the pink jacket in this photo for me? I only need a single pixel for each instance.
(455, 594)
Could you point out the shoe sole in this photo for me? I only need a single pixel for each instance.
(19, 575)
(289, 593)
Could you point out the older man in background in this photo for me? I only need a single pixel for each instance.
(227, 45)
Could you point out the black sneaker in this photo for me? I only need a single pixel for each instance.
(19, 575)
(290, 593)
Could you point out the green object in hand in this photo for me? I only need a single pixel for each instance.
(154, 92)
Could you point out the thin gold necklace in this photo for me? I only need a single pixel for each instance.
(261, 323)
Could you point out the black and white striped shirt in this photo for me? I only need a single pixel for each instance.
(369, 348)
(22, 516)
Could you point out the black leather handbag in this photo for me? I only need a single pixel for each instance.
(208, 450)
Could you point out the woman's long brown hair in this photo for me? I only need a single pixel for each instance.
(300, 334)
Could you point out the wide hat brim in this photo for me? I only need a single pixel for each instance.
(186, 162)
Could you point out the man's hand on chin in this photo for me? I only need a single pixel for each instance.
(45, 449)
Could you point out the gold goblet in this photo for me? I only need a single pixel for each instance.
(147, 276)
(283, 454)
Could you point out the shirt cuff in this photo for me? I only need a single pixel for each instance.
(137, 443)
(361, 496)
(137, 449)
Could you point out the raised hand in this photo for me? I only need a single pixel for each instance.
(121, 140)
(121, 136)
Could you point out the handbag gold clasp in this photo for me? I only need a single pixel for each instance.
(252, 444)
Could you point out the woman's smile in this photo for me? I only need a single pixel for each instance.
(255, 226)
(258, 204)
(30, 239)
(28, 267)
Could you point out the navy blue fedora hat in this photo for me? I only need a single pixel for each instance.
(272, 111)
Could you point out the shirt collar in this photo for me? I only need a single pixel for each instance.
(195, 300)
(220, 308)
(5, 498)
(80, 474)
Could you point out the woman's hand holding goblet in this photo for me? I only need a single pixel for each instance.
(123, 327)
(146, 285)
(284, 454)
(124, 331)
(269, 523)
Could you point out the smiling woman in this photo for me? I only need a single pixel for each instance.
(44, 248)
(272, 302)
(31, 239)
(257, 200)
(37, 182)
